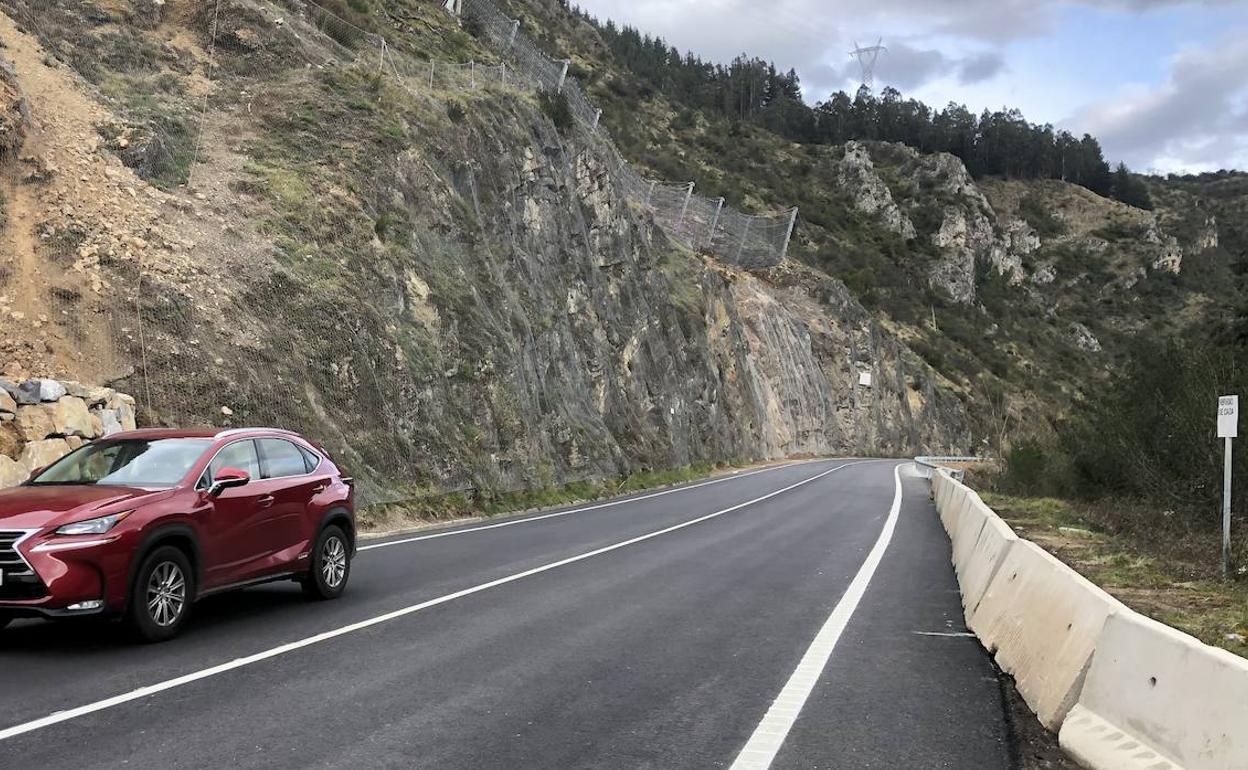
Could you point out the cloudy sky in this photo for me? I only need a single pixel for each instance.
(1162, 83)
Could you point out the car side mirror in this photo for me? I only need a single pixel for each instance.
(228, 478)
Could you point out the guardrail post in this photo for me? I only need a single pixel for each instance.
(564, 75)
(788, 234)
(710, 237)
(685, 207)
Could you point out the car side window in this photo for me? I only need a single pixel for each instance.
(281, 458)
(241, 455)
(311, 460)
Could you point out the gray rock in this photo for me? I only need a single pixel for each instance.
(34, 391)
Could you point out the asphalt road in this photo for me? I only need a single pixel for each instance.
(801, 617)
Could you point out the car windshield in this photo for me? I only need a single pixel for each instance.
(130, 462)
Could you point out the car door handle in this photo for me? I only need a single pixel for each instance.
(266, 501)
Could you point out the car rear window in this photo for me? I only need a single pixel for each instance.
(282, 458)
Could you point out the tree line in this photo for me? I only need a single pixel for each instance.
(994, 143)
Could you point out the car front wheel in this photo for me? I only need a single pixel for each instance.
(331, 565)
(161, 598)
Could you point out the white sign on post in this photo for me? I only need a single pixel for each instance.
(1228, 417)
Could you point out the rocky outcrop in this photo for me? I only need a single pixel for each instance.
(1168, 254)
(871, 195)
(42, 420)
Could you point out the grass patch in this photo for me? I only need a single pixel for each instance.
(483, 502)
(1173, 580)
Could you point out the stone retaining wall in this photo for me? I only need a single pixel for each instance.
(43, 420)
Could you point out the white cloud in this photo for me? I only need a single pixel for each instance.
(1196, 118)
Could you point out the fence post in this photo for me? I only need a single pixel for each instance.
(597, 117)
(564, 75)
(472, 74)
(788, 235)
(650, 193)
(710, 237)
(381, 58)
(455, 6)
(515, 29)
(504, 74)
(685, 207)
(432, 63)
(744, 234)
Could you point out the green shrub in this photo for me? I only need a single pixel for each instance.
(555, 106)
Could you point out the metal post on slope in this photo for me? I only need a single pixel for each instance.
(784, 252)
(597, 117)
(564, 75)
(685, 206)
(515, 30)
(432, 63)
(472, 74)
(710, 237)
(1226, 509)
(650, 193)
(504, 74)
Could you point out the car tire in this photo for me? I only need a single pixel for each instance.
(4, 621)
(331, 565)
(160, 600)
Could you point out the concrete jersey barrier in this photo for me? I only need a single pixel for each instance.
(1158, 698)
(1042, 620)
(978, 569)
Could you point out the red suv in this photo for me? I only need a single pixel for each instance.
(143, 523)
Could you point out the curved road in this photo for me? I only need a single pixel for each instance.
(803, 616)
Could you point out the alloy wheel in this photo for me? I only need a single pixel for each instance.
(333, 561)
(166, 594)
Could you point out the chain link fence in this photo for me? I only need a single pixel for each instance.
(700, 223)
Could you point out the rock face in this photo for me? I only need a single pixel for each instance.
(538, 329)
(51, 419)
(871, 195)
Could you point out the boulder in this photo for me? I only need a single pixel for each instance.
(12, 472)
(93, 395)
(110, 422)
(70, 417)
(10, 440)
(40, 390)
(34, 423)
(7, 404)
(40, 454)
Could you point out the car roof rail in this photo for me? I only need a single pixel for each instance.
(236, 431)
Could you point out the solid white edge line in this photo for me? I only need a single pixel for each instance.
(596, 506)
(169, 684)
(761, 749)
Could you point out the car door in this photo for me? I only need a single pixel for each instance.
(234, 540)
(293, 484)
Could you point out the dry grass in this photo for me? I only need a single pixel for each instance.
(1173, 579)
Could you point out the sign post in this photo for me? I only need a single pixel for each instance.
(1228, 429)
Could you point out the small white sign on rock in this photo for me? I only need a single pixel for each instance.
(1228, 417)
(864, 379)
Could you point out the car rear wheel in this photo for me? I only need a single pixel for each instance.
(161, 598)
(331, 565)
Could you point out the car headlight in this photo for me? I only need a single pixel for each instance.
(93, 526)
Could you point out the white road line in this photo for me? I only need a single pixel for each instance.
(169, 684)
(958, 634)
(594, 507)
(761, 749)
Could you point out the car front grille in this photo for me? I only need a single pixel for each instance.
(20, 581)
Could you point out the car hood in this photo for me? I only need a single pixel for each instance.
(35, 507)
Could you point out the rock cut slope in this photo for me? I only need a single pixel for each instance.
(442, 286)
